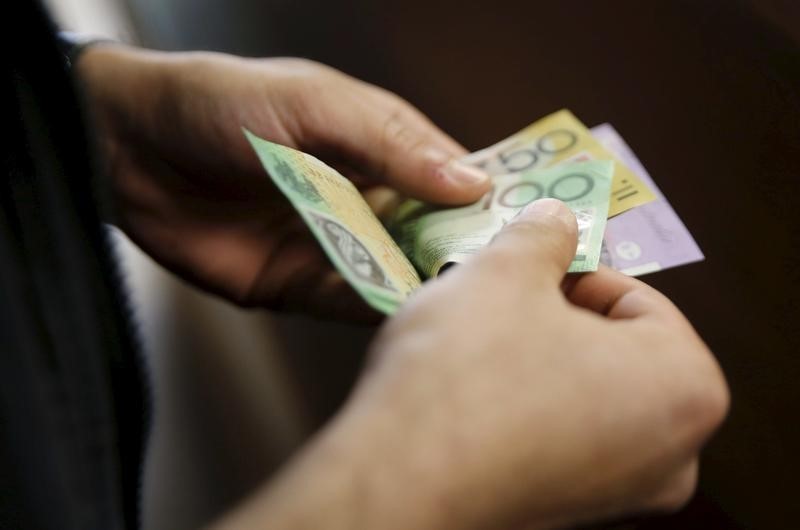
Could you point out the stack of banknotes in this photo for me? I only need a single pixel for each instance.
(624, 221)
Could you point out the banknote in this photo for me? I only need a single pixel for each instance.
(554, 139)
(354, 239)
(650, 237)
(385, 269)
(434, 238)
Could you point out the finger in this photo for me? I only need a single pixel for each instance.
(537, 245)
(412, 155)
(675, 490)
(616, 295)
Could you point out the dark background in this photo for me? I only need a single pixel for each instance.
(707, 93)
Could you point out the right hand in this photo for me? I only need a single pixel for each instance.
(501, 397)
(520, 405)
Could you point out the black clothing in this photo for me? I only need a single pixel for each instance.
(71, 409)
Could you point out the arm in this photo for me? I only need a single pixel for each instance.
(493, 398)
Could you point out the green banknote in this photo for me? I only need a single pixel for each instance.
(354, 239)
(384, 269)
(434, 238)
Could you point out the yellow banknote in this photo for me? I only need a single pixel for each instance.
(554, 139)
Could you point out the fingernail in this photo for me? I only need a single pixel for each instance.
(552, 207)
(458, 172)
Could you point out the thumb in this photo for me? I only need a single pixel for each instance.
(541, 241)
(407, 152)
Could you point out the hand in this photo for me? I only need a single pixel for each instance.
(191, 192)
(500, 398)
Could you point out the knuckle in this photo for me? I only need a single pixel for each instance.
(307, 67)
(698, 399)
(704, 403)
(677, 491)
(712, 404)
(549, 225)
(503, 262)
(396, 132)
(393, 125)
(514, 264)
(398, 140)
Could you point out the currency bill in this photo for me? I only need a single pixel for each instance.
(354, 239)
(434, 238)
(427, 239)
(651, 237)
(554, 139)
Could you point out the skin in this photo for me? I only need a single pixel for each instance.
(192, 193)
(500, 396)
(563, 405)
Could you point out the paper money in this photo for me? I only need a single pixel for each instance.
(343, 223)
(434, 238)
(554, 139)
(555, 157)
(650, 237)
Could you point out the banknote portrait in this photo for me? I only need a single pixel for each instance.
(353, 253)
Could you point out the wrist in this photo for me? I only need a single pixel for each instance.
(122, 85)
(355, 475)
(73, 44)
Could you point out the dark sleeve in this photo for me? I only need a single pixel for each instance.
(71, 406)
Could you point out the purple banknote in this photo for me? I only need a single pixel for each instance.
(650, 237)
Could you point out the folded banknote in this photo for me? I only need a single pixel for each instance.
(353, 238)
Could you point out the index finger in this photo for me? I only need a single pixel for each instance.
(615, 295)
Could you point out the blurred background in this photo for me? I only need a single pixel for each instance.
(707, 92)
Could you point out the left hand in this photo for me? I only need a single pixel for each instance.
(191, 192)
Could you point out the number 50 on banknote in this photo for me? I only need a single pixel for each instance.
(558, 138)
